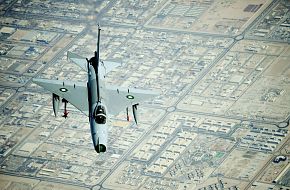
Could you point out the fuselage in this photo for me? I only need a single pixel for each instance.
(97, 111)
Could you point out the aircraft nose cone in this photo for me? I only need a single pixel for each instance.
(100, 148)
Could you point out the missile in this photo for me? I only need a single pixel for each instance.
(55, 103)
(135, 114)
(127, 112)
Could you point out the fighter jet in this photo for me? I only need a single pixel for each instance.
(93, 97)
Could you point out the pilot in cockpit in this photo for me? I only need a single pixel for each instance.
(100, 114)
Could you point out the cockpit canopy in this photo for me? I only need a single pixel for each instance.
(100, 114)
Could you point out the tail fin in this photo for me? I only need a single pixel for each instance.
(98, 46)
(95, 61)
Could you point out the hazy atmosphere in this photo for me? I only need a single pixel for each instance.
(220, 120)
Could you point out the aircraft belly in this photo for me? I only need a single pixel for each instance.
(93, 91)
(99, 133)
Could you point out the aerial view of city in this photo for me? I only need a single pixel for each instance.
(220, 120)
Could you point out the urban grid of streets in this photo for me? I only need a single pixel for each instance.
(221, 121)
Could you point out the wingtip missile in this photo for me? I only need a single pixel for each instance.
(55, 103)
(135, 113)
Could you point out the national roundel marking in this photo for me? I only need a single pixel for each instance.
(130, 97)
(63, 89)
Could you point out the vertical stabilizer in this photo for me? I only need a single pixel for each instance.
(96, 66)
(98, 46)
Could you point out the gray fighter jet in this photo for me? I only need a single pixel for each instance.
(94, 97)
